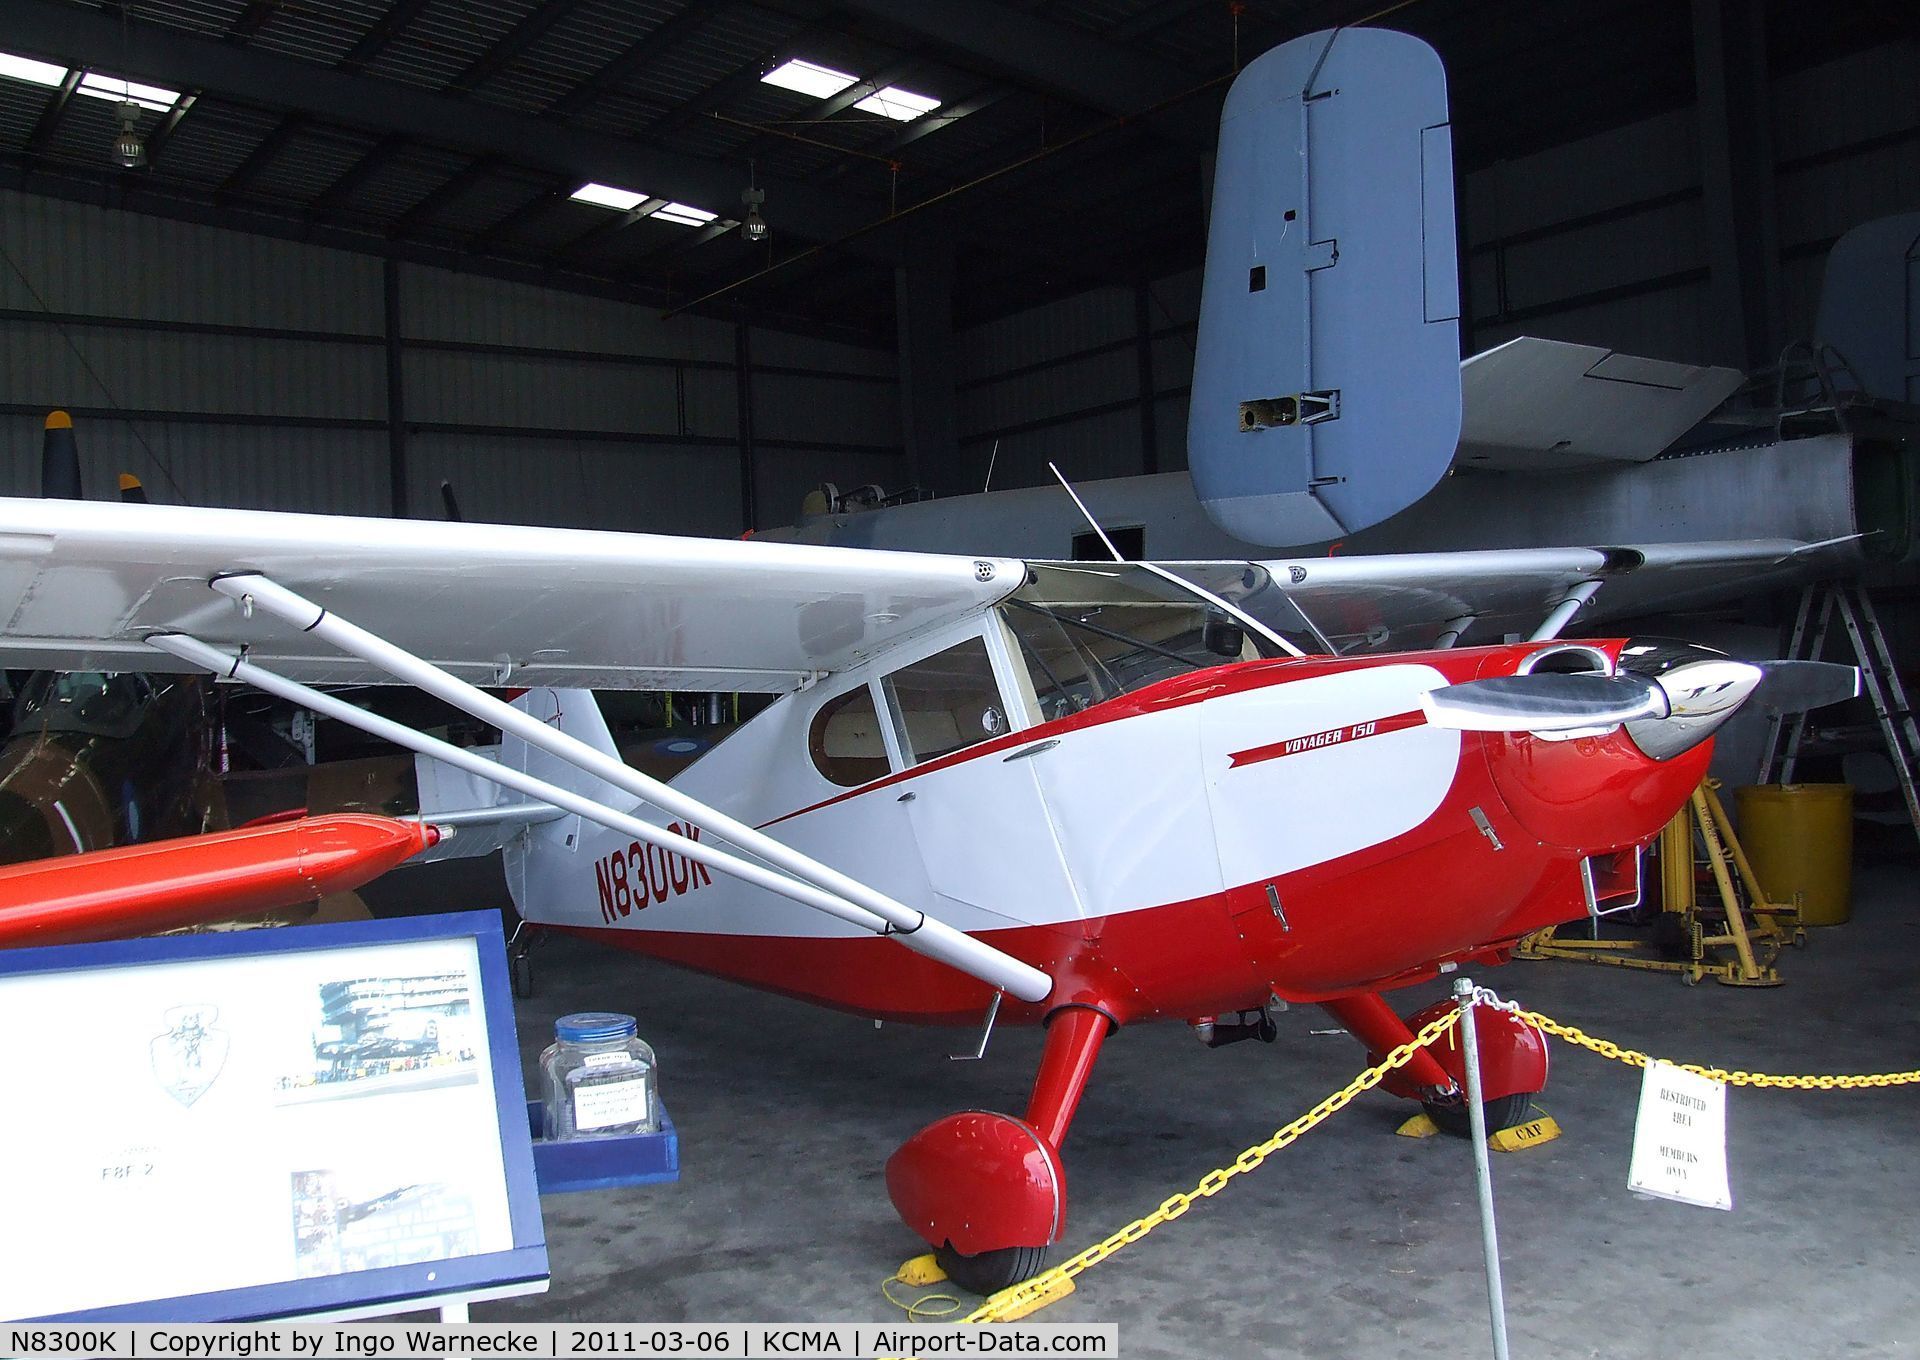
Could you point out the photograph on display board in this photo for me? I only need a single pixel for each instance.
(380, 1034)
(343, 1223)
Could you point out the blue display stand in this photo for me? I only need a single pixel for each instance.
(245, 1063)
(603, 1163)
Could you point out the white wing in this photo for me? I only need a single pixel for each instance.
(83, 582)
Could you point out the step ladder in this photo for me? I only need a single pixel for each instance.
(1818, 606)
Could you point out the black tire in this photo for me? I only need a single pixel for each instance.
(991, 1271)
(1504, 1113)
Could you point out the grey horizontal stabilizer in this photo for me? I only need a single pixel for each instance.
(1534, 405)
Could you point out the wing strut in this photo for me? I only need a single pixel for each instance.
(1563, 612)
(916, 929)
(554, 800)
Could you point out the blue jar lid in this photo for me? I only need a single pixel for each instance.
(595, 1027)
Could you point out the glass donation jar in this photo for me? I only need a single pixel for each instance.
(599, 1078)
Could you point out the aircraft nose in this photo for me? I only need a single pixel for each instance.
(1703, 689)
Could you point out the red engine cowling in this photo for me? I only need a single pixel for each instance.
(1593, 794)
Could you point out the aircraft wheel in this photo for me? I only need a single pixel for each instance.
(991, 1271)
(1504, 1113)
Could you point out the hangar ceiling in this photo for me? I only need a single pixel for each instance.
(1067, 146)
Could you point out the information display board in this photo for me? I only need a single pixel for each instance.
(264, 1123)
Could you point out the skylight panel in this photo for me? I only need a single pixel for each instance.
(804, 77)
(685, 214)
(607, 196)
(31, 71)
(900, 105)
(95, 85)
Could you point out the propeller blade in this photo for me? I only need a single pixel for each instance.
(447, 500)
(59, 459)
(131, 491)
(1544, 702)
(1798, 686)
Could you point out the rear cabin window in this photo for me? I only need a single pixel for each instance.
(845, 739)
(946, 703)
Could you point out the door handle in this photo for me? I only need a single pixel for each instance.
(1033, 750)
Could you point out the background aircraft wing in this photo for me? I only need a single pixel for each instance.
(1407, 600)
(82, 583)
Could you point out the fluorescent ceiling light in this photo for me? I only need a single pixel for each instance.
(118, 88)
(35, 72)
(685, 214)
(901, 105)
(606, 196)
(822, 82)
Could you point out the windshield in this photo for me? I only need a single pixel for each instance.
(1089, 632)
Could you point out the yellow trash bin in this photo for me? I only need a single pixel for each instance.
(1799, 839)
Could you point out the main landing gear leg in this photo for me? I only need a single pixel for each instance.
(1513, 1060)
(987, 1191)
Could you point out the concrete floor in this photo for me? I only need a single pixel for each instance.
(1352, 1242)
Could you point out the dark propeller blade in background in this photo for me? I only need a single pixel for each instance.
(447, 499)
(59, 459)
(131, 491)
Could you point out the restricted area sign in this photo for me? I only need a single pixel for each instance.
(1680, 1138)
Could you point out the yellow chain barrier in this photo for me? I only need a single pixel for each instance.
(1606, 1048)
(1009, 1299)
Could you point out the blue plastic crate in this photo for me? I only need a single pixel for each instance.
(602, 1163)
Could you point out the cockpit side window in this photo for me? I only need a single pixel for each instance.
(946, 702)
(845, 739)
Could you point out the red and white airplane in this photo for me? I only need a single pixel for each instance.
(1079, 795)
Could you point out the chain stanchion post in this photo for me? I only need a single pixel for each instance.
(1468, 996)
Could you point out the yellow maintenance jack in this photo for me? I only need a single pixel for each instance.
(1754, 947)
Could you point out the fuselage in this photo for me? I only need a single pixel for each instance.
(1188, 846)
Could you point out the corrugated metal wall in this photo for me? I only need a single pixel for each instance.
(228, 369)
(1601, 241)
(1846, 140)
(1064, 383)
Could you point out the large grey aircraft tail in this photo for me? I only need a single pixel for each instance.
(1326, 384)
